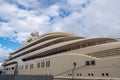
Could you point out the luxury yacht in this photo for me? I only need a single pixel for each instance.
(66, 56)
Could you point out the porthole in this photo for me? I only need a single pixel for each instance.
(92, 74)
(74, 64)
(103, 74)
(12, 68)
(80, 74)
(77, 74)
(107, 74)
(89, 74)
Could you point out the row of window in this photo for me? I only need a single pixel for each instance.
(89, 74)
(79, 74)
(12, 68)
(92, 62)
(31, 66)
(39, 65)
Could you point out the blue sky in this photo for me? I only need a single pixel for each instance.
(88, 18)
(9, 44)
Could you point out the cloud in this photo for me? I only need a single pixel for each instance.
(99, 19)
(4, 52)
(102, 18)
(21, 22)
(6, 31)
(89, 18)
(52, 10)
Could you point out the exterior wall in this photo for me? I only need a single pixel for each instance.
(61, 66)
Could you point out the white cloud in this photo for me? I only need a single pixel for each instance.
(6, 31)
(52, 10)
(73, 24)
(102, 18)
(21, 22)
(99, 18)
(4, 52)
(7, 10)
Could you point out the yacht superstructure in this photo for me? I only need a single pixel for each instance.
(66, 56)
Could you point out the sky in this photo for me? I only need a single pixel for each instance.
(86, 18)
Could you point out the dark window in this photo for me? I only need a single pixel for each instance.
(31, 66)
(107, 74)
(12, 68)
(92, 74)
(80, 74)
(103, 74)
(47, 63)
(93, 62)
(87, 63)
(89, 74)
(74, 64)
(69, 74)
(26, 66)
(42, 64)
(38, 65)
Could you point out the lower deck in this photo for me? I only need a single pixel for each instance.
(69, 66)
